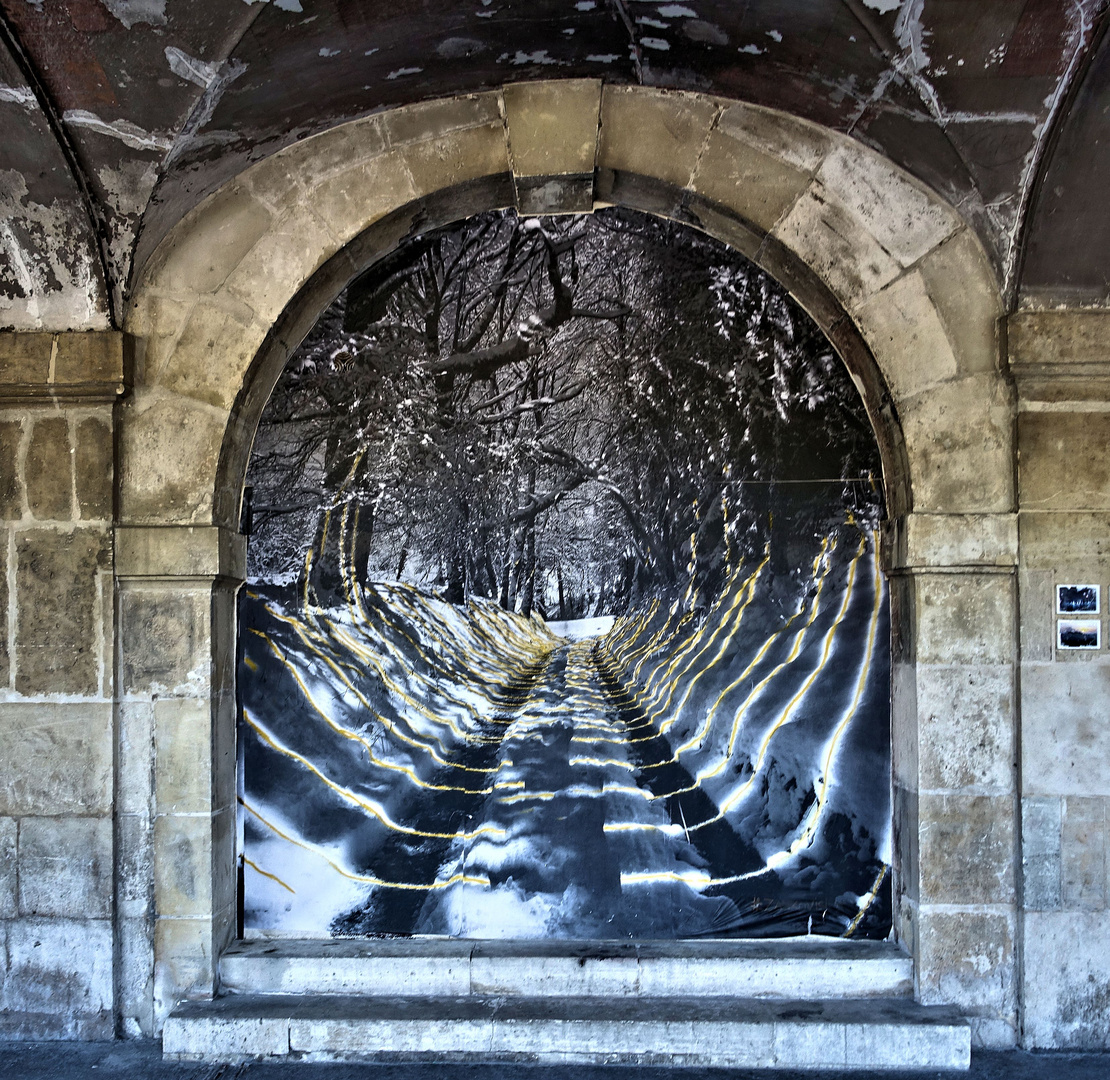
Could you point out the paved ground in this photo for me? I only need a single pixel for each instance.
(143, 1061)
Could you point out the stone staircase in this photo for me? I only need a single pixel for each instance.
(817, 1004)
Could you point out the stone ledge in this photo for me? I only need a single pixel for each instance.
(177, 551)
(85, 367)
(981, 542)
(1052, 354)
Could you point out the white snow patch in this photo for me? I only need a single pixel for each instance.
(330, 52)
(538, 57)
(883, 6)
(774, 35)
(754, 50)
(503, 912)
(128, 133)
(580, 629)
(602, 58)
(200, 72)
(655, 43)
(17, 95)
(677, 11)
(401, 72)
(130, 12)
(586, 5)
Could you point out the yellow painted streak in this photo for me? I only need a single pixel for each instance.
(867, 900)
(784, 717)
(367, 805)
(699, 737)
(388, 724)
(266, 873)
(823, 781)
(354, 736)
(368, 879)
(251, 665)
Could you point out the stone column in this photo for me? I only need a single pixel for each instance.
(1061, 364)
(176, 754)
(56, 682)
(954, 652)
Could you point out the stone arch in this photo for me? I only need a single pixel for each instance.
(889, 271)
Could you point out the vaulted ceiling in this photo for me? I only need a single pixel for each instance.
(117, 116)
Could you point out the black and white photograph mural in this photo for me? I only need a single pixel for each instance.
(564, 615)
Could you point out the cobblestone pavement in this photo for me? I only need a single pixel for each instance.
(143, 1061)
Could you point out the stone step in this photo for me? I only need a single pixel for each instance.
(708, 1032)
(798, 969)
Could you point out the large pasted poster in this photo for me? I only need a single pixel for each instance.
(565, 616)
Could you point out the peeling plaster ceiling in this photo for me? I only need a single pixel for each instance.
(117, 116)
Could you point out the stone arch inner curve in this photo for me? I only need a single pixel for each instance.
(887, 269)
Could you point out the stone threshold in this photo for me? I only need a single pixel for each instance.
(814, 969)
(706, 1032)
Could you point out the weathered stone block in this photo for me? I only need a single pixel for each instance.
(351, 200)
(455, 158)
(1067, 980)
(180, 551)
(5, 651)
(164, 637)
(1038, 623)
(136, 976)
(1058, 540)
(962, 286)
(186, 954)
(48, 471)
(959, 439)
(158, 482)
(951, 540)
(134, 790)
(9, 898)
(134, 866)
(1083, 841)
(1040, 852)
(756, 186)
(966, 958)
(967, 849)
(830, 238)
(183, 741)
(25, 358)
(11, 485)
(431, 119)
(65, 866)
(553, 126)
(83, 358)
(57, 649)
(1063, 464)
(59, 967)
(205, 248)
(55, 759)
(94, 465)
(266, 279)
(904, 218)
(905, 332)
(183, 865)
(967, 727)
(1071, 339)
(657, 134)
(965, 619)
(1065, 738)
(796, 142)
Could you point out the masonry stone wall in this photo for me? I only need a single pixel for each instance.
(1000, 824)
(57, 780)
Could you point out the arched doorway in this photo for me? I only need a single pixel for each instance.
(886, 268)
(564, 615)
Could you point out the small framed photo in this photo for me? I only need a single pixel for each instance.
(1079, 634)
(1077, 600)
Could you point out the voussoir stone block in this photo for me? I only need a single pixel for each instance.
(758, 187)
(832, 240)
(429, 120)
(350, 200)
(795, 142)
(553, 126)
(903, 217)
(456, 157)
(654, 133)
(200, 253)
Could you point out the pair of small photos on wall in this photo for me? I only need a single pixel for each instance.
(1077, 631)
